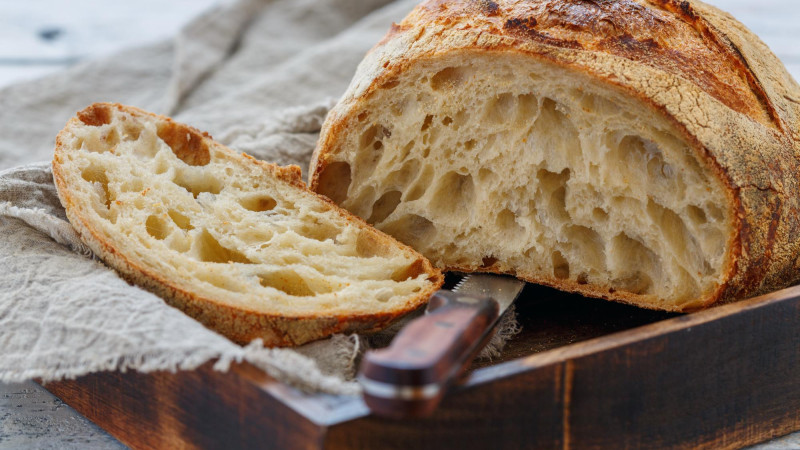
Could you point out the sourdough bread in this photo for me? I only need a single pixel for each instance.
(239, 244)
(638, 151)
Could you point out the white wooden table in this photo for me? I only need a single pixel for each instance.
(38, 37)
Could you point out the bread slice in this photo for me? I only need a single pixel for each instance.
(241, 245)
(638, 151)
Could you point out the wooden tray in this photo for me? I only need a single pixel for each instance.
(583, 374)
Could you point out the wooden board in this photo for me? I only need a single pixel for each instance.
(583, 374)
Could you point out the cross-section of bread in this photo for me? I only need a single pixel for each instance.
(639, 151)
(241, 245)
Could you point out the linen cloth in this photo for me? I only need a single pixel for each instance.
(260, 76)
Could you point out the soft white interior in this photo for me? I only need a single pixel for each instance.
(225, 228)
(498, 161)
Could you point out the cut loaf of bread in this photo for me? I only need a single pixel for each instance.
(241, 245)
(638, 151)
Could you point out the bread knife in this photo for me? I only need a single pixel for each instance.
(410, 376)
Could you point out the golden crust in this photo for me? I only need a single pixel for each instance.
(729, 96)
(237, 323)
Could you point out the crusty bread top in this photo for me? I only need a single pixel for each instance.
(669, 35)
(219, 233)
(727, 95)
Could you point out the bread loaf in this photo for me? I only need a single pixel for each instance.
(241, 245)
(643, 151)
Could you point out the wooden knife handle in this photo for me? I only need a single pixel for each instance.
(409, 378)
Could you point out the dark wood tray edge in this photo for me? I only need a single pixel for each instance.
(634, 388)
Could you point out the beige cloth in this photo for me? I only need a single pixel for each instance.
(260, 77)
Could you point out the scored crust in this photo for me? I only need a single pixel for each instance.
(282, 309)
(721, 89)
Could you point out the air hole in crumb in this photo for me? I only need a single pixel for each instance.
(447, 121)
(687, 284)
(319, 231)
(554, 133)
(672, 227)
(371, 150)
(506, 221)
(411, 229)
(334, 181)
(501, 109)
(210, 250)
(197, 182)
(112, 137)
(409, 272)
(558, 203)
(131, 132)
(553, 185)
(156, 227)
(161, 166)
(484, 174)
(383, 295)
(599, 214)
(590, 245)
(258, 203)
(287, 281)
(560, 265)
(488, 261)
(641, 157)
(454, 194)
(637, 282)
(406, 150)
(254, 236)
(447, 78)
(715, 212)
(384, 207)
(361, 204)
(97, 176)
(421, 184)
(180, 220)
(658, 169)
(696, 215)
(368, 136)
(550, 181)
(427, 122)
(527, 107)
(460, 119)
(583, 278)
(362, 117)
(490, 141)
(634, 261)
